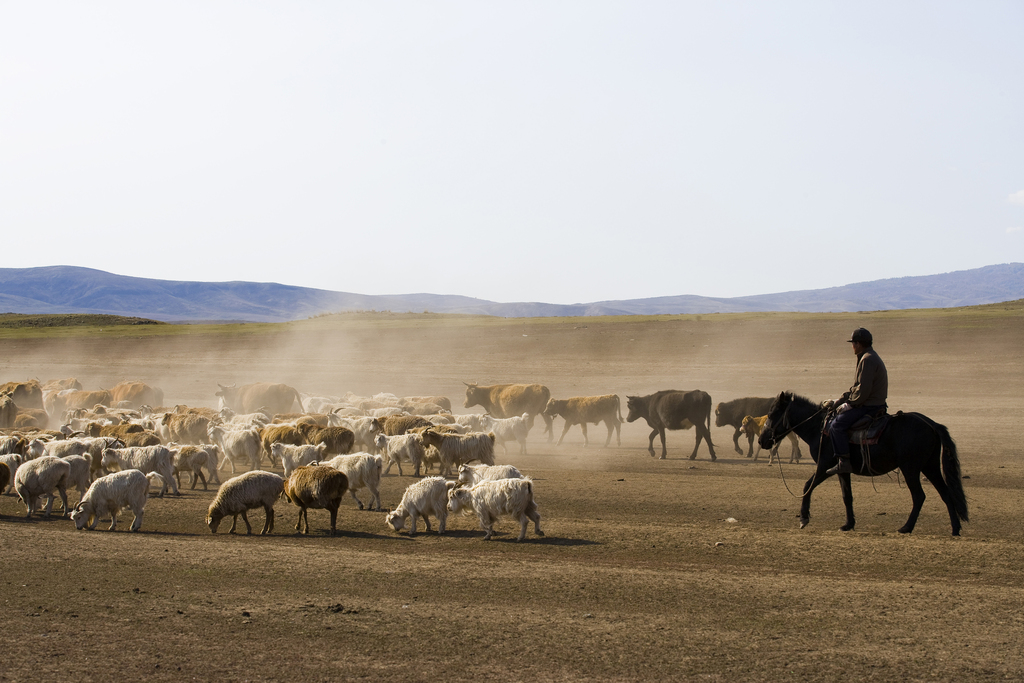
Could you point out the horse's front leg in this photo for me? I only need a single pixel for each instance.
(809, 486)
(664, 448)
(913, 480)
(847, 489)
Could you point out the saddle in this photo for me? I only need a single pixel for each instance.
(869, 428)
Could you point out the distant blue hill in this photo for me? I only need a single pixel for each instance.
(71, 289)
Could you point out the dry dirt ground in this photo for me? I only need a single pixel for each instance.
(649, 570)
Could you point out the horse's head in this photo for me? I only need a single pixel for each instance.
(777, 423)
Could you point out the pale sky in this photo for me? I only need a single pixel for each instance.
(565, 152)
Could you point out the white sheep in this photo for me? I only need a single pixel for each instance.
(510, 429)
(470, 475)
(364, 430)
(496, 498)
(41, 477)
(425, 498)
(108, 495)
(242, 445)
(363, 471)
(476, 422)
(80, 475)
(157, 459)
(408, 447)
(293, 457)
(245, 492)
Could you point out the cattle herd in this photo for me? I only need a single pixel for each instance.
(115, 446)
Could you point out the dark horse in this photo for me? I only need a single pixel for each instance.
(911, 442)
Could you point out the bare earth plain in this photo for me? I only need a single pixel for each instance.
(650, 569)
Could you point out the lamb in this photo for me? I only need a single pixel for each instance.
(240, 444)
(510, 429)
(408, 447)
(292, 457)
(157, 459)
(192, 459)
(245, 492)
(470, 475)
(278, 433)
(318, 487)
(40, 477)
(495, 498)
(458, 449)
(424, 498)
(363, 471)
(110, 494)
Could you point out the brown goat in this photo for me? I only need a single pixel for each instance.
(318, 487)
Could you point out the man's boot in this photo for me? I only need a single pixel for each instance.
(842, 465)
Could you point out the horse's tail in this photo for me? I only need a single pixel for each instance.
(951, 468)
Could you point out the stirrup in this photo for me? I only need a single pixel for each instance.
(842, 466)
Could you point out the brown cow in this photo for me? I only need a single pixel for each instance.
(511, 400)
(673, 409)
(61, 384)
(136, 394)
(250, 398)
(58, 403)
(583, 409)
(27, 394)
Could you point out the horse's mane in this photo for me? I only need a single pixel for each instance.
(797, 398)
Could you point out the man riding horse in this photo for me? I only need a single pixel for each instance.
(867, 396)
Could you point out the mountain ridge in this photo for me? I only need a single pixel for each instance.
(76, 289)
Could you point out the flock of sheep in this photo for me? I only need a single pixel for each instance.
(113, 452)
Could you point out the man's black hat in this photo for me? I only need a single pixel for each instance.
(861, 336)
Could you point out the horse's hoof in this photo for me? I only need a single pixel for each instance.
(846, 527)
(804, 522)
(905, 529)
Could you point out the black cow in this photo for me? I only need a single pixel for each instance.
(731, 413)
(673, 409)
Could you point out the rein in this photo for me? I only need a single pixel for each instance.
(778, 438)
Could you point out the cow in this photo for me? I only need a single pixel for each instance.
(57, 403)
(510, 400)
(673, 409)
(27, 394)
(136, 394)
(583, 409)
(250, 398)
(731, 413)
